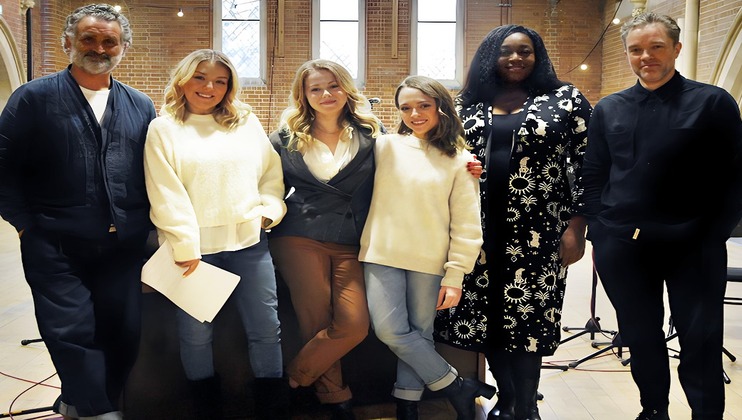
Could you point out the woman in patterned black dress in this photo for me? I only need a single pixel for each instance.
(530, 131)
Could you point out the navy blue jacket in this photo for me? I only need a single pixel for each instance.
(62, 171)
(329, 212)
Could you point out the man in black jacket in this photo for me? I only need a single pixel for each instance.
(663, 190)
(72, 184)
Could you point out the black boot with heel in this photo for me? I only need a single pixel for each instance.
(462, 392)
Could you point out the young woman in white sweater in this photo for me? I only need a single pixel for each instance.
(423, 233)
(215, 184)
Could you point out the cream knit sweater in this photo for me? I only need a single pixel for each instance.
(209, 187)
(424, 213)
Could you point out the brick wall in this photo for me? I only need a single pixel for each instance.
(48, 23)
(16, 23)
(570, 30)
(616, 73)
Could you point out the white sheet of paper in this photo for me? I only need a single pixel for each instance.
(202, 294)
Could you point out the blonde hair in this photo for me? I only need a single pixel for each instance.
(448, 135)
(228, 113)
(299, 115)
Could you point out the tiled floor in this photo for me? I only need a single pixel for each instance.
(600, 388)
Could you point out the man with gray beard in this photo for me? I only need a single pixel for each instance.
(72, 184)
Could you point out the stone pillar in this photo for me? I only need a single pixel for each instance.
(690, 39)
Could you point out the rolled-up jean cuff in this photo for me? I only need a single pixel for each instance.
(445, 381)
(407, 394)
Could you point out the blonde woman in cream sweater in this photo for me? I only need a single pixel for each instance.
(215, 184)
(422, 235)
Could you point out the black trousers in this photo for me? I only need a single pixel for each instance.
(86, 295)
(694, 272)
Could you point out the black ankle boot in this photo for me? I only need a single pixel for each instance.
(407, 410)
(272, 400)
(501, 413)
(207, 398)
(342, 411)
(462, 392)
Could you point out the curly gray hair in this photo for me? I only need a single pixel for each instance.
(99, 11)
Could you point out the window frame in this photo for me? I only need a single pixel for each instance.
(458, 81)
(360, 79)
(218, 29)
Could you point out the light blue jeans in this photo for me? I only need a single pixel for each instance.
(257, 304)
(402, 308)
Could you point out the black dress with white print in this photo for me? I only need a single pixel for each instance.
(513, 299)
